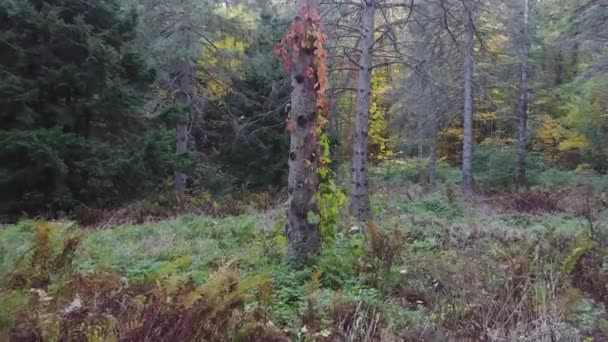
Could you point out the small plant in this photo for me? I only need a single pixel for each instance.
(39, 264)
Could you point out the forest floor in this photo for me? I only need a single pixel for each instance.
(517, 266)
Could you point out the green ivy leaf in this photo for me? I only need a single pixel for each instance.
(281, 240)
(313, 218)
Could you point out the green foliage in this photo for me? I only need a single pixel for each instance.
(255, 154)
(330, 198)
(53, 170)
(13, 303)
(555, 179)
(590, 316)
(494, 166)
(338, 264)
(380, 138)
(412, 170)
(44, 260)
(573, 257)
(439, 264)
(289, 297)
(68, 117)
(434, 205)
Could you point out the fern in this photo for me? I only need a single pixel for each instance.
(574, 256)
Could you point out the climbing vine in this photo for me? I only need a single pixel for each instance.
(306, 32)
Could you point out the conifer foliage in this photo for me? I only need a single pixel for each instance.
(70, 83)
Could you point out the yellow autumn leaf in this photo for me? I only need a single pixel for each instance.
(576, 141)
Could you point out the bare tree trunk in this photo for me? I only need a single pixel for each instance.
(422, 55)
(184, 93)
(303, 234)
(333, 117)
(520, 169)
(469, 65)
(419, 135)
(434, 129)
(333, 133)
(559, 66)
(181, 147)
(359, 205)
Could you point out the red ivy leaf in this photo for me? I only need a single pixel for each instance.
(310, 72)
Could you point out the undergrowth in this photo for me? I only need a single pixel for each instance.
(428, 268)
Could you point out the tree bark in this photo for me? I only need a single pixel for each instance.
(469, 65)
(419, 135)
(520, 170)
(183, 86)
(302, 233)
(434, 129)
(333, 118)
(559, 65)
(359, 205)
(181, 147)
(184, 92)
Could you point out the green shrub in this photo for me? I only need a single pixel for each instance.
(338, 264)
(494, 167)
(412, 170)
(555, 179)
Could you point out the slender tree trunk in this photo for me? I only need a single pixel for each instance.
(183, 86)
(419, 135)
(469, 65)
(433, 130)
(184, 93)
(575, 58)
(520, 170)
(333, 117)
(303, 234)
(333, 133)
(181, 147)
(559, 66)
(359, 205)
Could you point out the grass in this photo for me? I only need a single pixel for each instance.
(437, 270)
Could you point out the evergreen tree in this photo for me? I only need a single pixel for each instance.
(70, 82)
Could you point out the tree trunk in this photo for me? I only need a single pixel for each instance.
(333, 118)
(419, 135)
(434, 129)
(359, 205)
(559, 65)
(333, 133)
(181, 147)
(422, 54)
(183, 86)
(184, 92)
(302, 231)
(520, 170)
(469, 65)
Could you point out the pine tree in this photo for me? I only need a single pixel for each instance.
(70, 82)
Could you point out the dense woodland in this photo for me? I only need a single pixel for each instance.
(309, 170)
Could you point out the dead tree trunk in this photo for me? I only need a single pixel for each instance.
(185, 91)
(419, 135)
(520, 169)
(181, 147)
(433, 131)
(302, 231)
(469, 65)
(359, 205)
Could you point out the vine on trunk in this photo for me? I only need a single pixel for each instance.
(306, 32)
